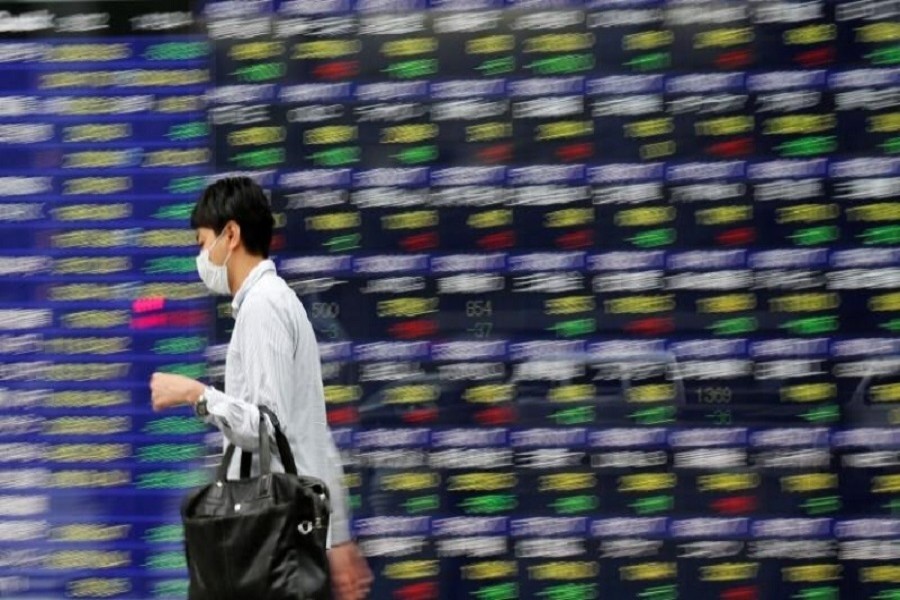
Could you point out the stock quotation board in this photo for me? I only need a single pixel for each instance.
(607, 291)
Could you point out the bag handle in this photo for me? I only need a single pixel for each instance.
(246, 463)
(281, 441)
(265, 452)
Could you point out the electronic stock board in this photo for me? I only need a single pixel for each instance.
(606, 290)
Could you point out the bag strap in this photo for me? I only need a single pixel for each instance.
(265, 453)
(246, 463)
(284, 447)
(246, 458)
(222, 471)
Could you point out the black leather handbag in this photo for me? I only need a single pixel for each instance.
(260, 538)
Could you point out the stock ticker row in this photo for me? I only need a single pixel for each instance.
(606, 291)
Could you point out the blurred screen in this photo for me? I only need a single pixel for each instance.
(607, 292)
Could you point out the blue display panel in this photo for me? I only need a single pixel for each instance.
(104, 145)
(606, 291)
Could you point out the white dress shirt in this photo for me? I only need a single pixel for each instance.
(273, 360)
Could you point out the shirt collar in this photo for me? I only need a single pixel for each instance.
(266, 266)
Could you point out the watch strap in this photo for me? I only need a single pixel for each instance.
(200, 407)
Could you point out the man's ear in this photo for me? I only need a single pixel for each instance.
(233, 235)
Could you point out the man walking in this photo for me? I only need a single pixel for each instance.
(272, 360)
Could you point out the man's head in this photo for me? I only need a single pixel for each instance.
(237, 207)
(234, 230)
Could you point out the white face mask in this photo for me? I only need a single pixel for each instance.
(214, 276)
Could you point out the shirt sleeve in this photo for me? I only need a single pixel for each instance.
(267, 354)
(236, 418)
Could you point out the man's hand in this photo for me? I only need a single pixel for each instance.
(168, 390)
(350, 574)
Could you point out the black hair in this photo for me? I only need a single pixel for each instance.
(238, 199)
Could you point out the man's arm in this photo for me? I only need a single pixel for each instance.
(267, 368)
(168, 390)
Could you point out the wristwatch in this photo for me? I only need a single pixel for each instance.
(200, 407)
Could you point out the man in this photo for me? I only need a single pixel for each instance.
(272, 359)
